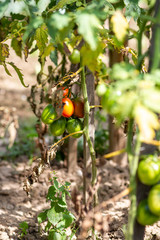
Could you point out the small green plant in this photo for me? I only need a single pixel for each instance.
(23, 226)
(58, 218)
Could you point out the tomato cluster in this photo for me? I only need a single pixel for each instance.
(148, 211)
(70, 107)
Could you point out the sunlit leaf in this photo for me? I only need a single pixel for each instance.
(88, 25)
(41, 37)
(3, 7)
(147, 122)
(120, 25)
(59, 25)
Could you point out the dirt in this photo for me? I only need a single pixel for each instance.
(16, 206)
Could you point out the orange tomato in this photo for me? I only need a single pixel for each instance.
(68, 108)
(66, 92)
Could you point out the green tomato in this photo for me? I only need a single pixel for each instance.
(58, 127)
(144, 215)
(49, 114)
(154, 200)
(75, 56)
(149, 171)
(74, 125)
(101, 89)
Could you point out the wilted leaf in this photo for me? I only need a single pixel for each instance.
(17, 46)
(88, 25)
(20, 75)
(120, 25)
(147, 122)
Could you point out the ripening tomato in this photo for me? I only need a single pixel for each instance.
(75, 56)
(74, 125)
(68, 108)
(78, 108)
(49, 114)
(144, 215)
(66, 92)
(57, 128)
(154, 200)
(149, 171)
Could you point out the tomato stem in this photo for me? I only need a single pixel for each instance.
(133, 158)
(62, 139)
(86, 133)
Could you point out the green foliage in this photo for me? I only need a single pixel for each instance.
(23, 226)
(58, 218)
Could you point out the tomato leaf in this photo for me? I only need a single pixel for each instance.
(147, 122)
(3, 7)
(20, 75)
(61, 4)
(120, 25)
(59, 26)
(41, 37)
(88, 26)
(17, 46)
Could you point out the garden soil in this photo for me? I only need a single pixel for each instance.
(16, 206)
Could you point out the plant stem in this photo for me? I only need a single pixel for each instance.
(133, 159)
(86, 126)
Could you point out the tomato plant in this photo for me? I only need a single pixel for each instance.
(68, 108)
(57, 128)
(144, 215)
(74, 125)
(154, 199)
(78, 108)
(75, 56)
(49, 114)
(149, 170)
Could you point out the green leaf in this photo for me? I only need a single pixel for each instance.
(17, 46)
(6, 69)
(48, 50)
(53, 235)
(51, 193)
(20, 75)
(62, 203)
(41, 37)
(53, 216)
(23, 226)
(132, 9)
(35, 22)
(3, 7)
(54, 57)
(42, 217)
(61, 4)
(68, 219)
(59, 26)
(56, 184)
(88, 26)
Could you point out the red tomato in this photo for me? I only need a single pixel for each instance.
(68, 108)
(66, 92)
(78, 108)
